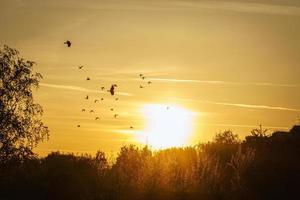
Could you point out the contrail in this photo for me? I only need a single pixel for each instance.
(247, 126)
(80, 89)
(186, 81)
(227, 5)
(68, 87)
(166, 5)
(243, 7)
(253, 106)
(241, 105)
(224, 82)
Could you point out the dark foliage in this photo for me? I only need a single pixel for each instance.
(21, 127)
(260, 167)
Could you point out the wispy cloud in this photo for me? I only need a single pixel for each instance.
(79, 89)
(246, 126)
(186, 81)
(68, 87)
(242, 105)
(271, 7)
(253, 106)
(246, 7)
(225, 82)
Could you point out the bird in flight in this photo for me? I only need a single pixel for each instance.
(112, 89)
(112, 109)
(68, 43)
(102, 99)
(116, 115)
(91, 111)
(88, 78)
(78, 126)
(149, 82)
(141, 75)
(102, 88)
(131, 127)
(116, 99)
(80, 67)
(87, 97)
(96, 100)
(83, 110)
(141, 86)
(97, 118)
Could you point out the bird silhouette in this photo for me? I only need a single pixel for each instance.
(97, 118)
(78, 126)
(141, 75)
(102, 99)
(68, 43)
(102, 88)
(116, 115)
(116, 99)
(83, 110)
(96, 100)
(149, 82)
(112, 109)
(112, 89)
(141, 86)
(87, 97)
(131, 127)
(80, 67)
(88, 78)
(91, 111)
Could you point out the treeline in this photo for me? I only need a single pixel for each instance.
(263, 166)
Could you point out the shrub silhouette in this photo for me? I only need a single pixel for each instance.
(266, 167)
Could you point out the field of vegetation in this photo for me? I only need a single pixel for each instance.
(263, 166)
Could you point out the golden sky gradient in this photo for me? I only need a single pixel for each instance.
(230, 64)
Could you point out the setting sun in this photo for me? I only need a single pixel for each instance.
(167, 126)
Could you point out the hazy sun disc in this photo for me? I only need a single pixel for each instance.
(167, 126)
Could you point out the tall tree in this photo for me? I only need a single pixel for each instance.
(21, 127)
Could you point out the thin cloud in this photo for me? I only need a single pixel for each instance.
(246, 126)
(79, 89)
(225, 82)
(245, 7)
(254, 106)
(186, 81)
(68, 87)
(234, 6)
(270, 8)
(241, 105)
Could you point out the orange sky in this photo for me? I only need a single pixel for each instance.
(233, 64)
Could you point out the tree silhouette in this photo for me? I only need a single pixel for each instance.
(21, 127)
(226, 137)
(259, 132)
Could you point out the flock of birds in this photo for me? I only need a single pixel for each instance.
(111, 91)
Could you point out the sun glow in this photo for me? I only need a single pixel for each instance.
(167, 126)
